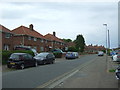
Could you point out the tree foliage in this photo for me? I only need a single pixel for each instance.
(72, 49)
(67, 40)
(80, 43)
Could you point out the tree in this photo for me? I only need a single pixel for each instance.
(72, 49)
(67, 40)
(80, 43)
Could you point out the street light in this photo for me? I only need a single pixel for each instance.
(106, 36)
(108, 39)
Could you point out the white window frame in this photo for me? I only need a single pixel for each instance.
(42, 40)
(35, 39)
(41, 48)
(29, 38)
(6, 47)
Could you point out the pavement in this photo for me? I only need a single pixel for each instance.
(94, 75)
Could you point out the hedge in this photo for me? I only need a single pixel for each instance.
(57, 55)
(6, 54)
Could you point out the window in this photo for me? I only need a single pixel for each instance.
(6, 47)
(29, 38)
(42, 40)
(35, 48)
(7, 35)
(41, 48)
(29, 56)
(35, 39)
(45, 41)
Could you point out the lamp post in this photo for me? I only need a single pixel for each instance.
(108, 39)
(106, 36)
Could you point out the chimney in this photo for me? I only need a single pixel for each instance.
(31, 26)
(54, 34)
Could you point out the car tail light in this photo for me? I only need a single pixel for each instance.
(118, 56)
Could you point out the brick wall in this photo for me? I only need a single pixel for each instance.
(7, 41)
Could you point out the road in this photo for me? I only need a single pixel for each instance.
(37, 76)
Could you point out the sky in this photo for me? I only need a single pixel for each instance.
(67, 19)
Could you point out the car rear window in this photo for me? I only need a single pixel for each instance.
(15, 56)
(41, 55)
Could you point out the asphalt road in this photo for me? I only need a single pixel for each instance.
(36, 76)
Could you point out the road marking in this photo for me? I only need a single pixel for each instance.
(54, 82)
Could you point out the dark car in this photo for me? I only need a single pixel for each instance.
(56, 51)
(118, 73)
(72, 55)
(26, 48)
(21, 60)
(45, 58)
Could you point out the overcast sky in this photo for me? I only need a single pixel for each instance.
(67, 19)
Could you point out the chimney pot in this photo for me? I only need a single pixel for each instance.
(31, 26)
(54, 34)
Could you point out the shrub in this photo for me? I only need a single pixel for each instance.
(57, 55)
(6, 54)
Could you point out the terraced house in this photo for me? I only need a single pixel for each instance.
(7, 38)
(27, 36)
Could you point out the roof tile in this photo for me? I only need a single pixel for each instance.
(26, 31)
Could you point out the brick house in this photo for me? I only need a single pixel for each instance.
(7, 38)
(55, 41)
(29, 37)
(94, 49)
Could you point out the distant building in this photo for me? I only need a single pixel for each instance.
(55, 41)
(94, 49)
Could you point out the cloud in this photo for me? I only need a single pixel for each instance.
(67, 19)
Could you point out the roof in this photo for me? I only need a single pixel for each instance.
(22, 30)
(52, 37)
(4, 29)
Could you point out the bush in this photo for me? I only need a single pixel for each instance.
(6, 54)
(57, 55)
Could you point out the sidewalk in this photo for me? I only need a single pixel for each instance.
(94, 75)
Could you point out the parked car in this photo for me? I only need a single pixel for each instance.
(45, 58)
(21, 60)
(26, 48)
(56, 51)
(100, 53)
(71, 55)
(116, 58)
(117, 72)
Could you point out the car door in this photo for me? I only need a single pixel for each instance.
(31, 61)
(26, 60)
(48, 58)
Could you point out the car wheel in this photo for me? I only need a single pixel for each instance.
(44, 62)
(53, 61)
(36, 64)
(8, 66)
(22, 66)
